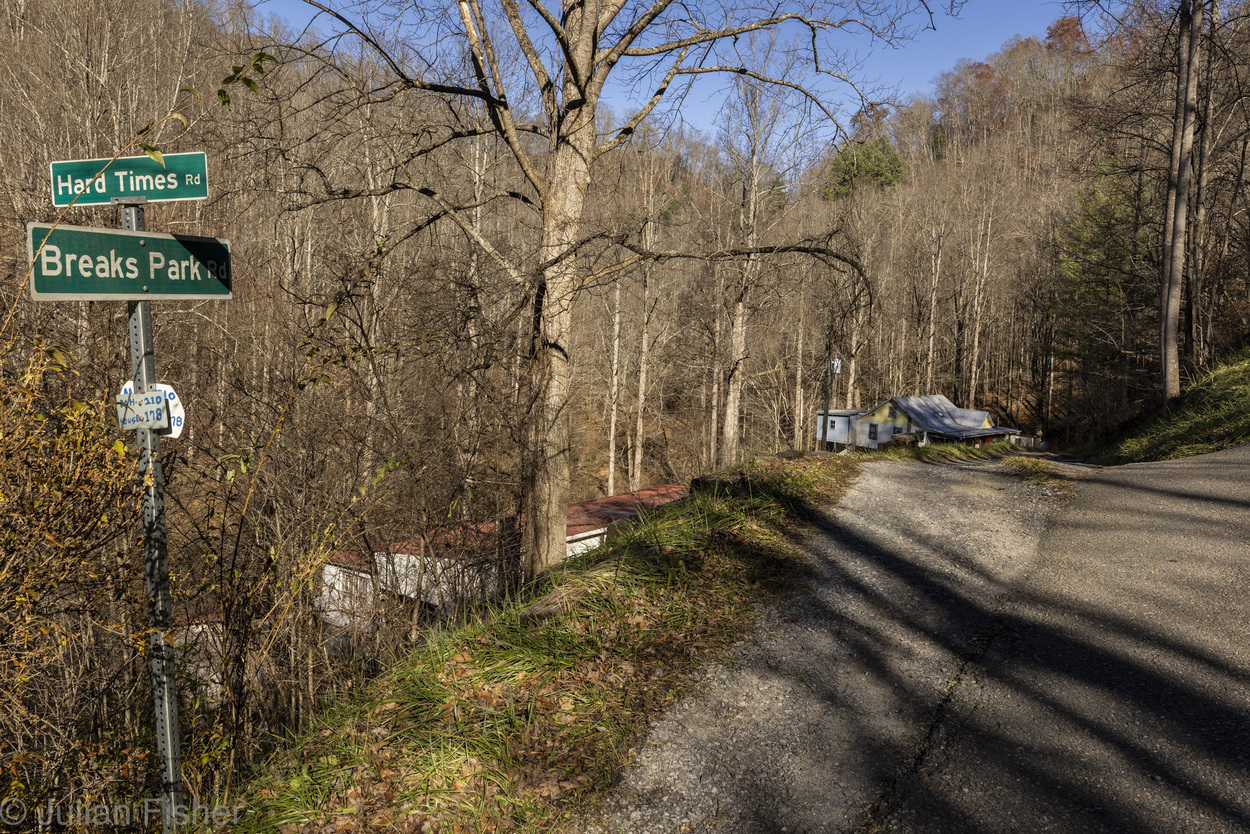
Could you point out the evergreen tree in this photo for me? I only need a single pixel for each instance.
(864, 164)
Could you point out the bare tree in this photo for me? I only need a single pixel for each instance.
(547, 116)
(1185, 30)
(764, 135)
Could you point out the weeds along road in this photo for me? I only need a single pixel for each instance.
(980, 654)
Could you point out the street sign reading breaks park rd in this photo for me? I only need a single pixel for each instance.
(184, 176)
(76, 263)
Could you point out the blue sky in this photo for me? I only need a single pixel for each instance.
(981, 29)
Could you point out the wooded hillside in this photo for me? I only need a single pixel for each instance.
(470, 286)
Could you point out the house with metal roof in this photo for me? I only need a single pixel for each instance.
(929, 418)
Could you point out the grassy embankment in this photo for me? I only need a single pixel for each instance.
(1213, 414)
(944, 452)
(1035, 468)
(516, 721)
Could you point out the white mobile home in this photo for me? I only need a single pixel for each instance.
(459, 564)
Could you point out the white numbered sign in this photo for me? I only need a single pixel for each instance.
(141, 411)
(160, 408)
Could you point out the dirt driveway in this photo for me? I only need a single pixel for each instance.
(977, 654)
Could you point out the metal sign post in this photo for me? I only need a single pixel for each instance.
(156, 557)
(70, 263)
(824, 424)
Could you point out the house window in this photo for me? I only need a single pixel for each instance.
(893, 412)
(872, 431)
(898, 429)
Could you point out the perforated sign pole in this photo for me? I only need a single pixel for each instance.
(156, 557)
(824, 426)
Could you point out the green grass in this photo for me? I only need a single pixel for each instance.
(1041, 472)
(942, 452)
(515, 722)
(1213, 413)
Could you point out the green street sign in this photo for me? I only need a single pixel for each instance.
(184, 176)
(75, 263)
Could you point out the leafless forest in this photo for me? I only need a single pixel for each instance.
(471, 285)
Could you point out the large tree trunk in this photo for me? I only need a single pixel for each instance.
(614, 386)
(1196, 344)
(714, 404)
(737, 376)
(1179, 180)
(546, 487)
(738, 333)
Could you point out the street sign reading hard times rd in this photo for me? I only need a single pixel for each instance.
(76, 263)
(184, 176)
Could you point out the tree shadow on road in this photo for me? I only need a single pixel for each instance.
(1056, 712)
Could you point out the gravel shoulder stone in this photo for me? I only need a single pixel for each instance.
(813, 722)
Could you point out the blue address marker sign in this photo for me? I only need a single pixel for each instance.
(78, 263)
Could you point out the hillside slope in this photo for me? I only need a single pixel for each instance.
(1213, 414)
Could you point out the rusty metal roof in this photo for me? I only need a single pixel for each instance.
(470, 539)
(592, 515)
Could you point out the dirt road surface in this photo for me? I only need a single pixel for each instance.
(979, 655)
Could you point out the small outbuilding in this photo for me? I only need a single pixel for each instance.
(836, 426)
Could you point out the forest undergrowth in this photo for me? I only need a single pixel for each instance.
(515, 720)
(1213, 413)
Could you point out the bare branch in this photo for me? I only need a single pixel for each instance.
(778, 82)
(628, 128)
(711, 35)
(483, 57)
(545, 86)
(469, 229)
(408, 80)
(739, 252)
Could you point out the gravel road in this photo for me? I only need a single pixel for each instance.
(961, 663)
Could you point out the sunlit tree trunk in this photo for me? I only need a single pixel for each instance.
(1196, 342)
(614, 385)
(981, 269)
(800, 418)
(936, 240)
(1180, 175)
